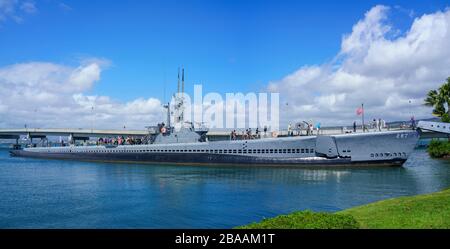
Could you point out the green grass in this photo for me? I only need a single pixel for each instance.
(439, 148)
(307, 220)
(421, 211)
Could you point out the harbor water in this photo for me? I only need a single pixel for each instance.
(36, 193)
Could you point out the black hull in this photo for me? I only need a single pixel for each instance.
(204, 159)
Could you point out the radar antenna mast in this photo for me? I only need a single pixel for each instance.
(178, 105)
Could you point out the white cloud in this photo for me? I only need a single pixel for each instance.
(28, 7)
(64, 7)
(16, 9)
(389, 74)
(42, 94)
(7, 9)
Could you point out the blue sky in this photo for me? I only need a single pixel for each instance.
(323, 57)
(228, 46)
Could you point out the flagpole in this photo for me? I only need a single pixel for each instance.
(362, 107)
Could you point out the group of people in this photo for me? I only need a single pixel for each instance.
(248, 134)
(120, 140)
(378, 124)
(308, 127)
(412, 124)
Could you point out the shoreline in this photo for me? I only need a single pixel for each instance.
(424, 211)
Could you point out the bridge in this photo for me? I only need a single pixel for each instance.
(76, 134)
(82, 134)
(427, 129)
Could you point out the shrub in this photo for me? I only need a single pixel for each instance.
(306, 220)
(439, 148)
(445, 118)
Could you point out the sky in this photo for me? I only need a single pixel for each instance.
(325, 58)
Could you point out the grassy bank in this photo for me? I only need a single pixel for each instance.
(421, 211)
(439, 148)
(307, 220)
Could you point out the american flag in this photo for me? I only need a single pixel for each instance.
(359, 111)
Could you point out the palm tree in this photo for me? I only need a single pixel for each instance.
(438, 99)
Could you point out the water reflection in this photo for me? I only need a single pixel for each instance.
(44, 193)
